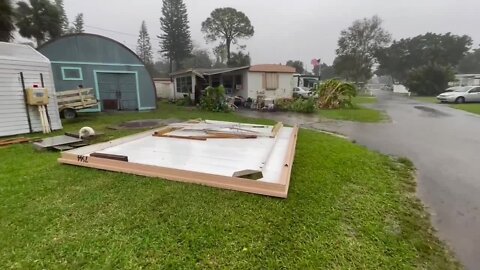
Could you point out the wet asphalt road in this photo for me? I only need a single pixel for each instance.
(444, 144)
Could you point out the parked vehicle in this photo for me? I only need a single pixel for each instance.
(309, 81)
(302, 92)
(461, 94)
(69, 102)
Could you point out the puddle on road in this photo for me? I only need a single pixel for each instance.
(431, 112)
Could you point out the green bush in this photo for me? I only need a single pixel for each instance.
(284, 104)
(185, 101)
(303, 105)
(334, 94)
(429, 80)
(213, 100)
(295, 105)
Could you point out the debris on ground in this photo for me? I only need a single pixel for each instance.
(143, 124)
(16, 140)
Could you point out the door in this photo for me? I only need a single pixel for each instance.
(474, 95)
(118, 91)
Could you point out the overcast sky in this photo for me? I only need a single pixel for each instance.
(286, 29)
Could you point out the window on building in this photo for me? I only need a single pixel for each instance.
(184, 84)
(238, 82)
(72, 74)
(271, 81)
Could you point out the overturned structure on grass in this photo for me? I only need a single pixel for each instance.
(244, 157)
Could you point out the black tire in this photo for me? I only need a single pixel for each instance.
(69, 113)
(460, 100)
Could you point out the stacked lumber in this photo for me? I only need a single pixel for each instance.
(76, 99)
(11, 141)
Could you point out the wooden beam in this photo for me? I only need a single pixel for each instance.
(276, 129)
(110, 156)
(164, 131)
(288, 163)
(196, 138)
(13, 141)
(219, 181)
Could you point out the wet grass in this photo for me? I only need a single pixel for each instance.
(470, 107)
(359, 113)
(348, 208)
(426, 99)
(364, 100)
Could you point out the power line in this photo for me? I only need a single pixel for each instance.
(115, 31)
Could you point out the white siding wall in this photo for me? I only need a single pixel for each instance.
(255, 86)
(13, 116)
(164, 89)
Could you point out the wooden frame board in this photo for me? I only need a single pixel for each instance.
(81, 157)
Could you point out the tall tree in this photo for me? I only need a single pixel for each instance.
(430, 79)
(297, 64)
(429, 49)
(327, 72)
(6, 20)
(175, 40)
(357, 47)
(229, 25)
(200, 59)
(38, 19)
(470, 63)
(144, 46)
(63, 16)
(78, 24)
(239, 59)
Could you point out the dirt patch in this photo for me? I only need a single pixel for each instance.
(144, 124)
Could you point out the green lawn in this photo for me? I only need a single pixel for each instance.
(427, 99)
(470, 107)
(348, 208)
(364, 100)
(358, 113)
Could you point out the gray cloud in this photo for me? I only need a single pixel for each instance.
(285, 29)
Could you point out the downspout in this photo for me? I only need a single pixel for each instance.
(25, 101)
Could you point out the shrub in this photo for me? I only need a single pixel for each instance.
(213, 100)
(295, 105)
(303, 105)
(284, 104)
(185, 101)
(334, 94)
(429, 80)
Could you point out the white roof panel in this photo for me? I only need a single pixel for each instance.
(20, 52)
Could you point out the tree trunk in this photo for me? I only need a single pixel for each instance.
(228, 44)
(39, 42)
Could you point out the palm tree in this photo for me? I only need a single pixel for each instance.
(6, 20)
(334, 94)
(39, 19)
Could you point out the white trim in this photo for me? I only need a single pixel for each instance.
(94, 63)
(147, 108)
(137, 85)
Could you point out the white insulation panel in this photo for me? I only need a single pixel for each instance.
(213, 156)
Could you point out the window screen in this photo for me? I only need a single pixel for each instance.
(271, 81)
(72, 73)
(184, 84)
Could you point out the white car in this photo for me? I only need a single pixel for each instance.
(302, 92)
(461, 94)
